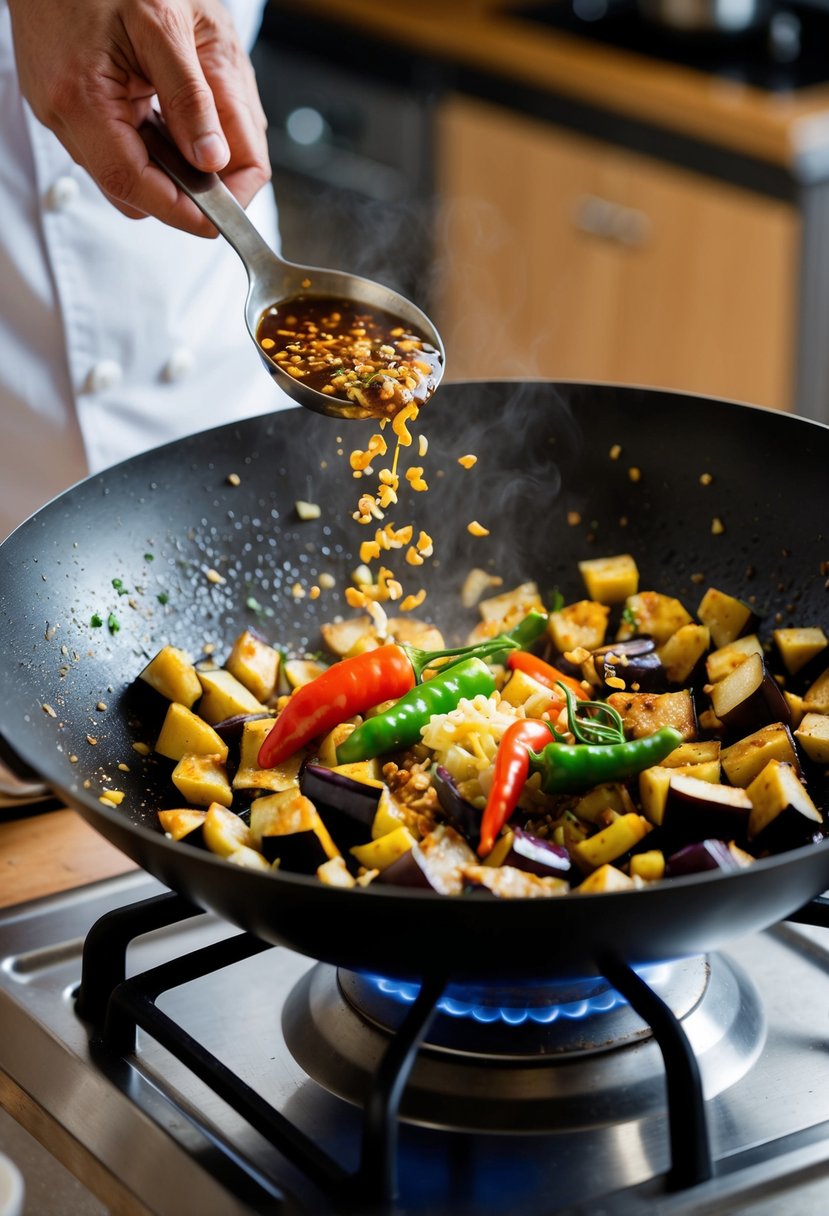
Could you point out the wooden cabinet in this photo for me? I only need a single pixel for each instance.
(565, 257)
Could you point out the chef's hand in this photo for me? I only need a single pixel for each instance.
(90, 69)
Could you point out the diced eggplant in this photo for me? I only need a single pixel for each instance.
(249, 777)
(254, 663)
(183, 823)
(347, 807)
(202, 780)
(748, 698)
(288, 829)
(633, 664)
(463, 816)
(223, 696)
(171, 672)
(643, 713)
(384, 851)
(800, 647)
(536, 856)
(606, 878)
(813, 736)
(434, 863)
(725, 659)
(510, 882)
(726, 617)
(224, 832)
(184, 732)
(683, 655)
(705, 855)
(652, 614)
(783, 816)
(334, 873)
(743, 760)
(610, 579)
(699, 810)
(648, 865)
(583, 623)
(231, 729)
(816, 696)
(611, 843)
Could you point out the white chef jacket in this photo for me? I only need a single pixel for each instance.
(116, 335)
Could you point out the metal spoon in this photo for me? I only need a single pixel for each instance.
(272, 280)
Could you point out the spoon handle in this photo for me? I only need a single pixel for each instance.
(211, 196)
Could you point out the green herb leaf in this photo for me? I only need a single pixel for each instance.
(629, 617)
(149, 557)
(163, 597)
(96, 621)
(118, 584)
(555, 600)
(113, 624)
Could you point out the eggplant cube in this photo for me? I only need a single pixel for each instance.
(700, 810)
(347, 806)
(224, 832)
(748, 698)
(706, 855)
(798, 647)
(436, 862)
(249, 776)
(383, 852)
(610, 843)
(583, 623)
(606, 879)
(813, 737)
(816, 696)
(633, 664)
(223, 696)
(653, 614)
(643, 713)
(173, 675)
(183, 823)
(655, 785)
(610, 580)
(648, 866)
(743, 760)
(683, 653)
(202, 780)
(783, 816)
(288, 829)
(536, 856)
(725, 616)
(255, 664)
(183, 731)
(723, 661)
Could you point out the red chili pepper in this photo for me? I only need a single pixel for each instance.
(545, 673)
(347, 688)
(512, 767)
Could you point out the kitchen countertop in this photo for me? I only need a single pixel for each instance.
(55, 851)
(783, 128)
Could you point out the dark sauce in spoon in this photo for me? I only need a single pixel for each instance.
(349, 351)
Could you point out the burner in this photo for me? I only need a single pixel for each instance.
(548, 1065)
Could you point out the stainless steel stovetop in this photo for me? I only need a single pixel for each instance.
(177, 1148)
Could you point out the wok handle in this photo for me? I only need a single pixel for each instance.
(19, 784)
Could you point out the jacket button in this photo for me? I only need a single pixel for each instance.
(104, 375)
(179, 365)
(62, 193)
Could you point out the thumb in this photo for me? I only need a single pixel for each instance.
(187, 103)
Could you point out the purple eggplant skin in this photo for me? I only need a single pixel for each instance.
(762, 700)
(635, 661)
(230, 731)
(536, 856)
(688, 819)
(298, 853)
(701, 856)
(463, 816)
(406, 872)
(346, 807)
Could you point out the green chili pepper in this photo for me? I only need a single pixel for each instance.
(566, 768)
(524, 635)
(400, 725)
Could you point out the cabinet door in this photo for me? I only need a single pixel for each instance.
(564, 257)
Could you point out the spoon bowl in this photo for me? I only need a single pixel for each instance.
(273, 281)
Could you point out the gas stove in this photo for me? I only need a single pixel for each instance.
(208, 1072)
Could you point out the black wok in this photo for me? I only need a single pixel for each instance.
(159, 522)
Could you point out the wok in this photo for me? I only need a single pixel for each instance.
(161, 521)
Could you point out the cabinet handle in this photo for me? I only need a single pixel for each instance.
(611, 221)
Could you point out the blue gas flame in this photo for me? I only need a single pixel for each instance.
(539, 1006)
